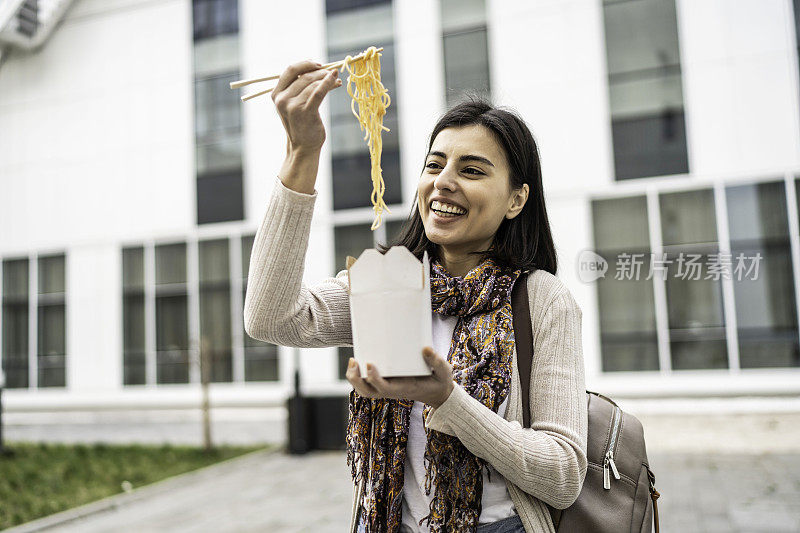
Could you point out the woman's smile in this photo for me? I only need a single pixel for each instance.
(446, 213)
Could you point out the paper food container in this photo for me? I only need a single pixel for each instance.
(390, 311)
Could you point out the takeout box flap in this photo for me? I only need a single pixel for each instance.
(398, 269)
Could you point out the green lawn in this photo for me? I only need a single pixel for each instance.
(42, 479)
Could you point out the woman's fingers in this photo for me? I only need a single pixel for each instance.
(297, 104)
(302, 83)
(363, 388)
(374, 378)
(442, 370)
(427, 389)
(315, 92)
(291, 73)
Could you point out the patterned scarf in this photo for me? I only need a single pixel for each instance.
(481, 353)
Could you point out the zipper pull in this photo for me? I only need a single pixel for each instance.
(606, 478)
(613, 467)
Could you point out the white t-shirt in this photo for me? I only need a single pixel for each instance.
(496, 503)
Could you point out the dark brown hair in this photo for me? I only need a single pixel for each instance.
(524, 241)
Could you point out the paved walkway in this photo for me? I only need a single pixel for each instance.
(734, 474)
(311, 493)
(264, 492)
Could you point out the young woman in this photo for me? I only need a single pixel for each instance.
(445, 452)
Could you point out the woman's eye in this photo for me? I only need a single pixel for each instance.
(433, 165)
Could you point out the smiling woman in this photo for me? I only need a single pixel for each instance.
(483, 167)
(447, 451)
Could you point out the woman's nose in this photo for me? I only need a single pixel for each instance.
(445, 179)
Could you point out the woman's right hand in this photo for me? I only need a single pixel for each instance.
(297, 97)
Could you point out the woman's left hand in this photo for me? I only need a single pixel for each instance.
(432, 390)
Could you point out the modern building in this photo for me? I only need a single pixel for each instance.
(132, 181)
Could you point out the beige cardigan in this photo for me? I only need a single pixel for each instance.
(544, 463)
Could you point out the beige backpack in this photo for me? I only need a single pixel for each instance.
(619, 492)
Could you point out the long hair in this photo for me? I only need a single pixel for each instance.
(524, 241)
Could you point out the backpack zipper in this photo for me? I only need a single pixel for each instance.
(609, 457)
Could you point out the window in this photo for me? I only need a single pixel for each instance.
(172, 320)
(218, 116)
(260, 358)
(51, 323)
(466, 49)
(161, 312)
(695, 278)
(334, 6)
(694, 295)
(133, 316)
(218, 124)
(393, 228)
(215, 308)
(214, 17)
(220, 197)
(766, 312)
(15, 322)
(645, 88)
(625, 296)
(350, 32)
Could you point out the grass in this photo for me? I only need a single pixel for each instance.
(39, 479)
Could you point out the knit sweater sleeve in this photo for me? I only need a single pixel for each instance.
(279, 307)
(547, 460)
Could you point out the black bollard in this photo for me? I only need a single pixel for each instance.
(2, 384)
(298, 421)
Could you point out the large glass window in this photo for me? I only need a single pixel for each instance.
(218, 125)
(133, 316)
(50, 300)
(761, 270)
(215, 308)
(696, 273)
(172, 320)
(694, 292)
(350, 32)
(218, 120)
(625, 294)
(51, 322)
(645, 88)
(15, 322)
(260, 358)
(466, 49)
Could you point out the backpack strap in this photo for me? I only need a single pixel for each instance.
(523, 339)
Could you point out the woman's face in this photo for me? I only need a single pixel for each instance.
(466, 169)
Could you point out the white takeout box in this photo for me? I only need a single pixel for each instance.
(390, 311)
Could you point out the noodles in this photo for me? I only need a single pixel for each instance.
(372, 99)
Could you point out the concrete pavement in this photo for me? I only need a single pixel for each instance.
(311, 493)
(732, 473)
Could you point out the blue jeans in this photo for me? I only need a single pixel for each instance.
(512, 524)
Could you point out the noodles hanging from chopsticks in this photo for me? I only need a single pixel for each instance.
(372, 99)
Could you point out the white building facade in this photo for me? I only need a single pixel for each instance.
(132, 182)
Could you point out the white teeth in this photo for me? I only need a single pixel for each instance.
(439, 206)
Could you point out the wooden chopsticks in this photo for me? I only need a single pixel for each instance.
(329, 66)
